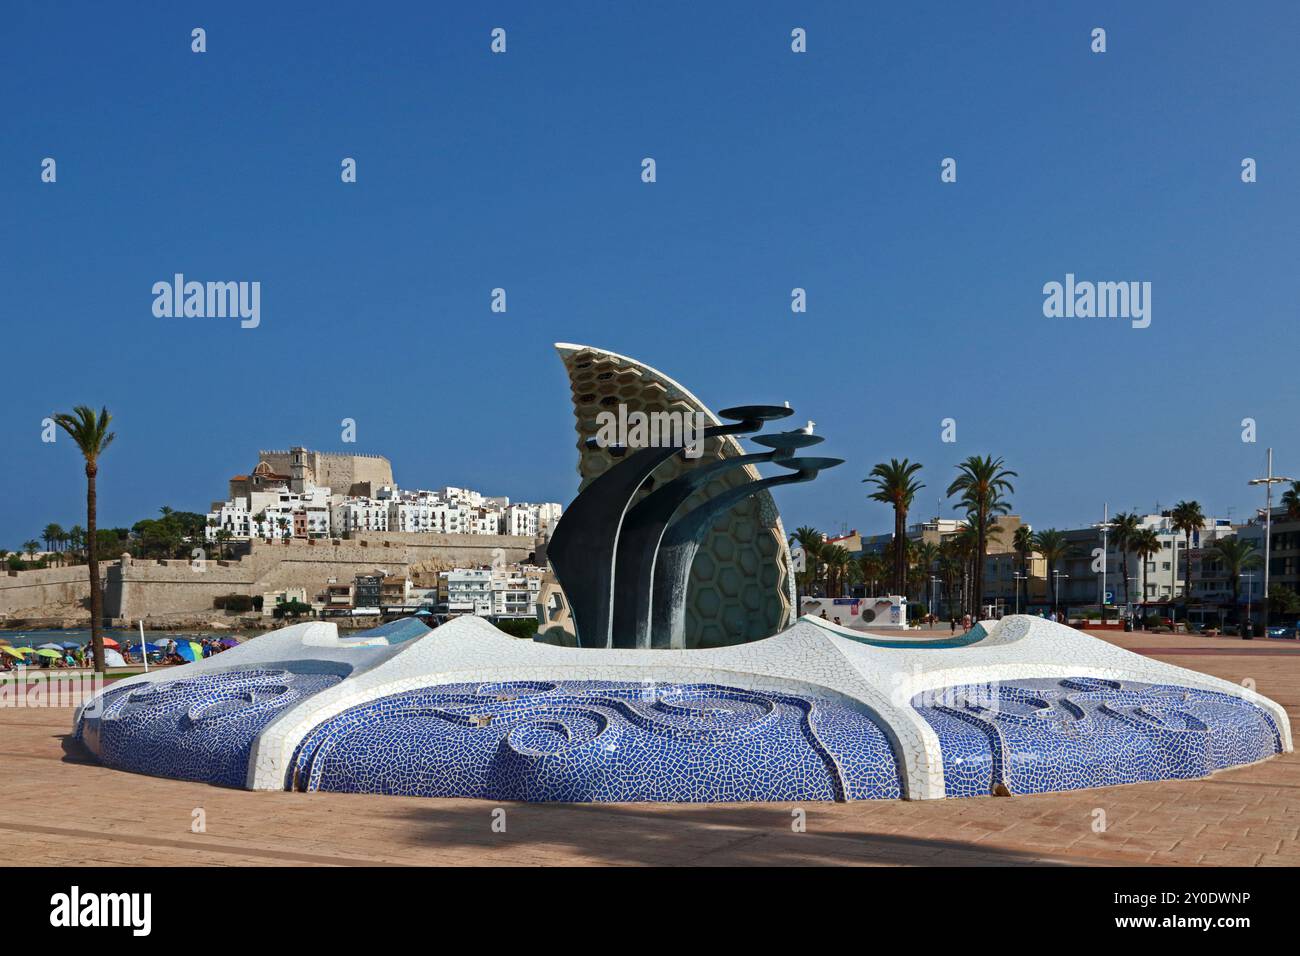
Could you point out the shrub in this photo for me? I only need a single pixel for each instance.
(525, 627)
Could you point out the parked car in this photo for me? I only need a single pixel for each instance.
(1282, 630)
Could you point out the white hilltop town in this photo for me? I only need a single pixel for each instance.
(309, 533)
(308, 494)
(304, 495)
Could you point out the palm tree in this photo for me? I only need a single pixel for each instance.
(1126, 525)
(873, 569)
(895, 485)
(951, 563)
(981, 482)
(1236, 555)
(1053, 545)
(1023, 542)
(1291, 501)
(811, 541)
(51, 535)
(837, 561)
(76, 538)
(31, 546)
(1145, 544)
(90, 432)
(925, 555)
(1187, 517)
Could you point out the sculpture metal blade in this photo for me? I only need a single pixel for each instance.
(583, 549)
(681, 541)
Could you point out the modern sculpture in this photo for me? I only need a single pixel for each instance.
(654, 546)
(604, 551)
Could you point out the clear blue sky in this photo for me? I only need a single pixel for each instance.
(775, 170)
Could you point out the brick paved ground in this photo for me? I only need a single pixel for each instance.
(58, 808)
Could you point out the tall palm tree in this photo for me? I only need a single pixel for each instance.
(925, 556)
(1053, 545)
(31, 546)
(896, 485)
(837, 561)
(51, 535)
(950, 568)
(90, 432)
(1125, 526)
(1023, 542)
(812, 542)
(1236, 555)
(1187, 517)
(982, 482)
(1145, 544)
(873, 569)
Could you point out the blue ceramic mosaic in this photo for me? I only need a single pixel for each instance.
(199, 728)
(1041, 735)
(595, 741)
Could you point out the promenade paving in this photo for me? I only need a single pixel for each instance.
(57, 807)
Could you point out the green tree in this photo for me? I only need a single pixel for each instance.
(925, 556)
(1146, 545)
(811, 541)
(1054, 546)
(1291, 501)
(1187, 517)
(31, 546)
(1236, 555)
(896, 485)
(981, 483)
(1126, 525)
(52, 534)
(92, 437)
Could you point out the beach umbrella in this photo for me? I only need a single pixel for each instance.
(46, 652)
(11, 651)
(229, 642)
(113, 658)
(187, 651)
(69, 645)
(109, 642)
(50, 647)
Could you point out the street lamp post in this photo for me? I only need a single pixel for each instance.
(1056, 589)
(1020, 577)
(934, 589)
(1268, 481)
(1250, 586)
(1104, 528)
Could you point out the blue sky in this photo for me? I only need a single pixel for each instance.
(775, 170)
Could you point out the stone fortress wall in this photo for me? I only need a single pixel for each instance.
(46, 593)
(341, 472)
(151, 589)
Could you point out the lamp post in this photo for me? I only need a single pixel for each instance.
(1104, 528)
(1268, 481)
(1056, 589)
(934, 589)
(1020, 577)
(1250, 586)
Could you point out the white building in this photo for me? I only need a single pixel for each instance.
(277, 511)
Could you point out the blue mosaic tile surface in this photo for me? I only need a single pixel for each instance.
(595, 741)
(199, 728)
(1041, 735)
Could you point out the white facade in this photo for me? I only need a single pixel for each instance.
(280, 512)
